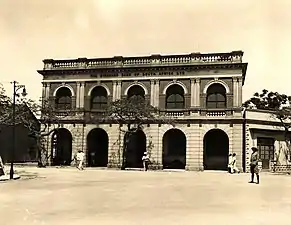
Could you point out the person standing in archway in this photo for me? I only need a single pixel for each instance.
(145, 161)
(229, 166)
(80, 158)
(254, 165)
(234, 168)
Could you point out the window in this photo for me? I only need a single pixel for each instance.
(175, 97)
(266, 150)
(98, 98)
(136, 91)
(216, 97)
(63, 98)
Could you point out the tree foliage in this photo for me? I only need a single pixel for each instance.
(30, 113)
(134, 112)
(280, 108)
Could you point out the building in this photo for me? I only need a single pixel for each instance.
(202, 91)
(25, 145)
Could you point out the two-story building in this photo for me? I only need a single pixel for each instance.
(203, 92)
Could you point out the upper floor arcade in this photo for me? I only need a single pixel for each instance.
(177, 86)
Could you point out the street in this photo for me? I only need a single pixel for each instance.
(92, 196)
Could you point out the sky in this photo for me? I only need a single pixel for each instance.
(32, 30)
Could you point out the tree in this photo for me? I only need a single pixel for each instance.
(134, 112)
(27, 113)
(280, 108)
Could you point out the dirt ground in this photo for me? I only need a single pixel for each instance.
(68, 196)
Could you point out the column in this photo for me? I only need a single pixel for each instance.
(114, 91)
(153, 93)
(193, 94)
(82, 96)
(197, 93)
(43, 90)
(235, 91)
(47, 90)
(239, 94)
(157, 93)
(78, 96)
(118, 90)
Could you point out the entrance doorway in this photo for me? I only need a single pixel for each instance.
(216, 150)
(61, 147)
(174, 149)
(136, 146)
(97, 145)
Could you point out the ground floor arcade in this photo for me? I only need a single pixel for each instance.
(185, 146)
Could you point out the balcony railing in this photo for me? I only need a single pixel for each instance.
(168, 113)
(119, 61)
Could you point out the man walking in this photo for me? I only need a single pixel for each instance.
(229, 166)
(254, 165)
(234, 168)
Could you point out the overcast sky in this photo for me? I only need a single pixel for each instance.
(31, 30)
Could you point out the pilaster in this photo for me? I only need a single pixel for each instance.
(239, 92)
(157, 93)
(78, 95)
(118, 90)
(114, 89)
(153, 92)
(82, 95)
(193, 93)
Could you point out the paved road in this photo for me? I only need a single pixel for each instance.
(67, 196)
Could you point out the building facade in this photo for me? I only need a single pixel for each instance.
(202, 92)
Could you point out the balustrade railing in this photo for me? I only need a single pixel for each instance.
(119, 61)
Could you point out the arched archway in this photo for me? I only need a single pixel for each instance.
(175, 97)
(216, 150)
(98, 98)
(136, 91)
(216, 96)
(136, 146)
(97, 146)
(61, 147)
(63, 98)
(174, 149)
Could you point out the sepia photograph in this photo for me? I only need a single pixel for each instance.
(145, 112)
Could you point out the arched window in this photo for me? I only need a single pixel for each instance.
(175, 97)
(98, 98)
(136, 91)
(63, 98)
(216, 97)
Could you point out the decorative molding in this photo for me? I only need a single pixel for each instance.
(178, 83)
(99, 85)
(66, 86)
(139, 84)
(216, 82)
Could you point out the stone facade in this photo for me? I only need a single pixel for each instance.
(194, 74)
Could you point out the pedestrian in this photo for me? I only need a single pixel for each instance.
(145, 161)
(229, 166)
(2, 170)
(234, 168)
(80, 159)
(254, 165)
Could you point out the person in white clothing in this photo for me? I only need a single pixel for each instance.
(80, 159)
(229, 166)
(234, 168)
(145, 161)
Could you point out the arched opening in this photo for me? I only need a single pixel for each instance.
(216, 96)
(98, 99)
(216, 150)
(175, 97)
(136, 91)
(61, 147)
(174, 149)
(63, 99)
(97, 146)
(135, 147)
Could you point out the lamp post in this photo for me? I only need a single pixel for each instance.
(16, 87)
